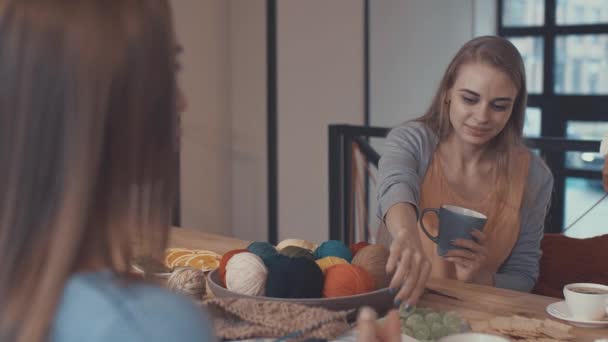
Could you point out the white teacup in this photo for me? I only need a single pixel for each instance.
(587, 301)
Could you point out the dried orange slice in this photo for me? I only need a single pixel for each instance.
(171, 258)
(182, 260)
(203, 262)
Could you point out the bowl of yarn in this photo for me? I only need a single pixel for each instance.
(329, 275)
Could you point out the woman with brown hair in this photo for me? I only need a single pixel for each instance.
(88, 148)
(467, 150)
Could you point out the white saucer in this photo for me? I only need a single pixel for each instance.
(560, 310)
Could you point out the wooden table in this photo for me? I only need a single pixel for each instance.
(475, 302)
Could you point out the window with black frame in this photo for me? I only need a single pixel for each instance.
(564, 44)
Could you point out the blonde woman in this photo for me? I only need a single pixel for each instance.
(88, 125)
(467, 150)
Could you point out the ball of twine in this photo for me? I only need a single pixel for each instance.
(346, 280)
(373, 259)
(327, 262)
(224, 261)
(246, 274)
(188, 281)
(298, 243)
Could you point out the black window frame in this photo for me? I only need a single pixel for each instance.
(556, 109)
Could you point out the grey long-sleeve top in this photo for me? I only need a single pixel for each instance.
(408, 152)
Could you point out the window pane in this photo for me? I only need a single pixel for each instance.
(533, 121)
(523, 13)
(581, 64)
(581, 12)
(531, 50)
(581, 130)
(581, 194)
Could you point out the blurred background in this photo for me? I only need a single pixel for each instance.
(265, 79)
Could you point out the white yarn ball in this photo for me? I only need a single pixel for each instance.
(246, 274)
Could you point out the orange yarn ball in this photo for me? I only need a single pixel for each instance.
(225, 258)
(354, 248)
(346, 280)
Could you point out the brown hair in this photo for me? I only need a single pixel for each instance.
(87, 146)
(502, 55)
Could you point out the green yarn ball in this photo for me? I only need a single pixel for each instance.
(297, 252)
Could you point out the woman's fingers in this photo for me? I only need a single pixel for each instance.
(366, 325)
(480, 236)
(462, 253)
(411, 279)
(403, 270)
(425, 272)
(468, 244)
(391, 329)
(462, 262)
(395, 252)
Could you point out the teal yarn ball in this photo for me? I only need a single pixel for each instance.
(333, 248)
(262, 249)
(293, 278)
(297, 252)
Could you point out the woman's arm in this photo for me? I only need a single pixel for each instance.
(520, 271)
(404, 161)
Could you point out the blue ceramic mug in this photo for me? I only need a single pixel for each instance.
(454, 223)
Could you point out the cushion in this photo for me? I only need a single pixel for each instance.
(568, 260)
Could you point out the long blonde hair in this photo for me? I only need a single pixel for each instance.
(502, 55)
(87, 146)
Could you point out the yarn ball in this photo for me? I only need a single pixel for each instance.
(225, 258)
(354, 248)
(262, 249)
(346, 280)
(298, 243)
(246, 274)
(297, 252)
(294, 278)
(373, 259)
(333, 248)
(188, 281)
(330, 261)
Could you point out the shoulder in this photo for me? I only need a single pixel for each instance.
(539, 185)
(539, 173)
(414, 129)
(97, 307)
(412, 135)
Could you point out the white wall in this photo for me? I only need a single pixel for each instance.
(206, 166)
(411, 43)
(248, 110)
(320, 81)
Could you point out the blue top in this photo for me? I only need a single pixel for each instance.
(408, 152)
(98, 307)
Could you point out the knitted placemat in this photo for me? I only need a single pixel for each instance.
(251, 318)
